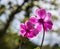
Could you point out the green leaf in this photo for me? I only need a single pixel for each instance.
(37, 48)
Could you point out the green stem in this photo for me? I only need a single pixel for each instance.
(42, 37)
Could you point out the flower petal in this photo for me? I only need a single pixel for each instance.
(32, 33)
(48, 25)
(35, 32)
(41, 13)
(48, 17)
(33, 20)
(29, 25)
(39, 27)
(22, 32)
(29, 35)
(37, 14)
(22, 26)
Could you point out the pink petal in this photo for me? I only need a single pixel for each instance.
(35, 32)
(41, 13)
(32, 33)
(38, 27)
(36, 12)
(22, 26)
(29, 25)
(48, 25)
(48, 17)
(22, 32)
(29, 35)
(33, 20)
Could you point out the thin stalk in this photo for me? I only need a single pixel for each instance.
(42, 37)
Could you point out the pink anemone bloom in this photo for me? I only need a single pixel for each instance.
(42, 18)
(28, 30)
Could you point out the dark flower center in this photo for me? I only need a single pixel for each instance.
(41, 21)
(27, 30)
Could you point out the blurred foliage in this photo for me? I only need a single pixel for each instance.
(47, 47)
(58, 30)
(56, 46)
(54, 18)
(2, 25)
(9, 41)
(37, 48)
(2, 9)
(26, 43)
(25, 19)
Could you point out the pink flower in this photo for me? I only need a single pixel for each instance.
(42, 19)
(27, 30)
